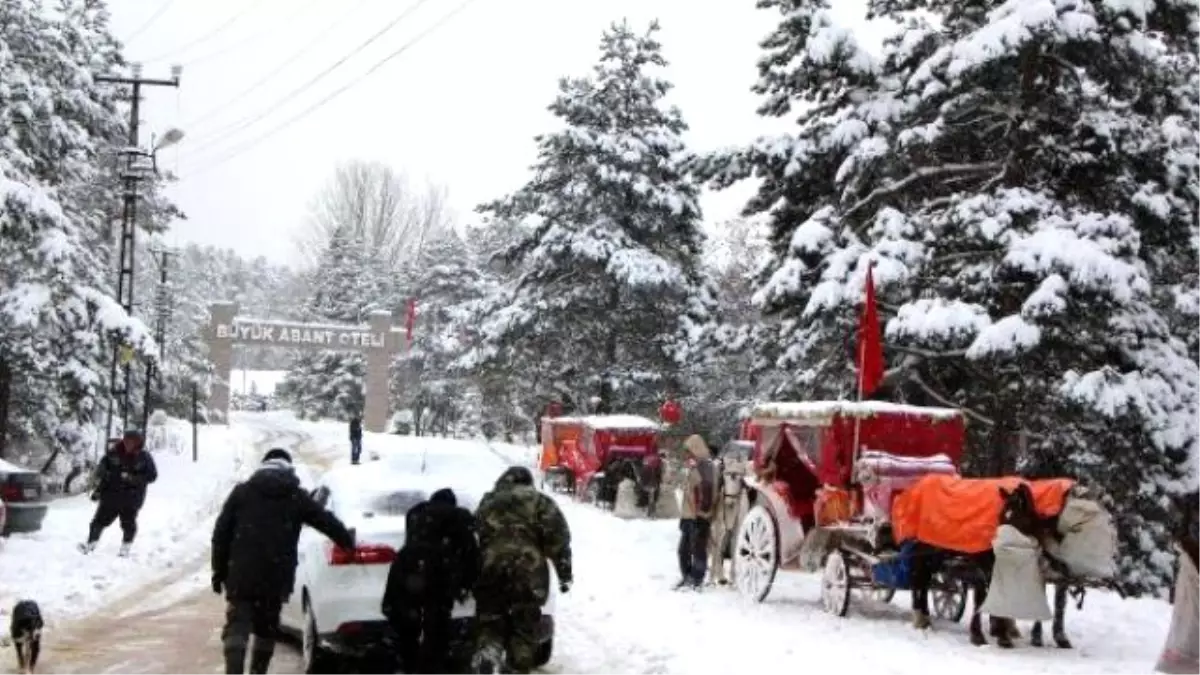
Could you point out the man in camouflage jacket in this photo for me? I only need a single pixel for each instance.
(519, 529)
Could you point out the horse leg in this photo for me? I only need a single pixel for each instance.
(716, 561)
(979, 591)
(922, 576)
(1060, 610)
(1035, 634)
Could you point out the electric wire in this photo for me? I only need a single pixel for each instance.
(150, 21)
(238, 150)
(229, 130)
(247, 5)
(199, 120)
(274, 28)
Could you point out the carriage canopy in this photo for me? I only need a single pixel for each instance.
(821, 433)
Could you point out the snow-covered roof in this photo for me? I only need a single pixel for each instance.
(822, 410)
(9, 467)
(609, 422)
(613, 422)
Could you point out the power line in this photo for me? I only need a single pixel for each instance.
(247, 5)
(251, 37)
(326, 32)
(238, 126)
(338, 92)
(150, 21)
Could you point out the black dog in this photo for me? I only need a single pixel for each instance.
(26, 633)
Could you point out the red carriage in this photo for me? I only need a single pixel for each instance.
(590, 456)
(823, 477)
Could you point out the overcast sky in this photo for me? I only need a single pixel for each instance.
(460, 107)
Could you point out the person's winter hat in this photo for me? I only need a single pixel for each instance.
(444, 496)
(133, 433)
(277, 455)
(515, 475)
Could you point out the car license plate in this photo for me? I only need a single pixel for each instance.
(31, 493)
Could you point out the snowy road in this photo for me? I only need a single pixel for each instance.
(621, 616)
(171, 625)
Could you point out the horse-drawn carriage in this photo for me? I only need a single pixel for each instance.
(798, 495)
(591, 456)
(868, 494)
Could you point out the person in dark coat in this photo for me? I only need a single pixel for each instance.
(355, 439)
(437, 566)
(254, 556)
(121, 480)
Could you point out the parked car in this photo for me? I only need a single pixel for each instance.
(336, 609)
(24, 495)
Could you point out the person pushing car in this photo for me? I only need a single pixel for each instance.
(254, 556)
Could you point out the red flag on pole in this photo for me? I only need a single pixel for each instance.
(870, 342)
(410, 319)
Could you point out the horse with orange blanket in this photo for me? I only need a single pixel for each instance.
(953, 522)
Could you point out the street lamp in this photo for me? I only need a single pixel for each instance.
(168, 139)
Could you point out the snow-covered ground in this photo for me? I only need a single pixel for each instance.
(47, 567)
(622, 617)
(262, 382)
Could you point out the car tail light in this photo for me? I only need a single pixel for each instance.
(365, 554)
(11, 493)
(350, 628)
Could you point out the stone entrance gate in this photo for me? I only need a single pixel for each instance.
(377, 339)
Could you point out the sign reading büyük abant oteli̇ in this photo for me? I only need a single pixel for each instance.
(329, 337)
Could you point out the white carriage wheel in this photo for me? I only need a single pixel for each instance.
(756, 554)
(949, 597)
(835, 584)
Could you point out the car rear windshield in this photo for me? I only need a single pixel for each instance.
(394, 503)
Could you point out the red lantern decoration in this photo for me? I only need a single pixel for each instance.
(555, 409)
(670, 412)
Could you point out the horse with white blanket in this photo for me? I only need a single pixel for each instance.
(731, 503)
(1072, 549)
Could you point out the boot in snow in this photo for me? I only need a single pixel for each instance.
(124, 552)
(235, 661)
(260, 659)
(87, 547)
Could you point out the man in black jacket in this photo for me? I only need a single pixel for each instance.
(438, 565)
(355, 439)
(254, 556)
(122, 476)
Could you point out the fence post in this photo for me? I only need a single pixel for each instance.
(195, 423)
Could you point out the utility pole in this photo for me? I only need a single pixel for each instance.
(131, 176)
(162, 310)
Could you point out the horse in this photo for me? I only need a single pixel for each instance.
(1019, 511)
(727, 515)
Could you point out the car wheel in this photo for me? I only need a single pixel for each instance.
(544, 652)
(315, 659)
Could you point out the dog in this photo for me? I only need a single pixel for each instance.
(26, 633)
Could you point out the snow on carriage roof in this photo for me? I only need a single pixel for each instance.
(609, 422)
(824, 409)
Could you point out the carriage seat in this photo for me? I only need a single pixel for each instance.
(800, 509)
(884, 475)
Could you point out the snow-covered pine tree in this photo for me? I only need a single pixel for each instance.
(346, 287)
(58, 317)
(610, 284)
(1023, 174)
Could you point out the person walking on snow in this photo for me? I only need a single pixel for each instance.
(695, 514)
(355, 439)
(254, 556)
(437, 566)
(519, 529)
(122, 476)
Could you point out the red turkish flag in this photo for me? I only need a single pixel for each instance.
(870, 342)
(410, 319)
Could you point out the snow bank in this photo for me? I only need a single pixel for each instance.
(47, 567)
(263, 382)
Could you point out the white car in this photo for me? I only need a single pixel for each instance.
(336, 606)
